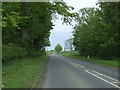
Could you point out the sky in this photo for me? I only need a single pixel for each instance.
(62, 32)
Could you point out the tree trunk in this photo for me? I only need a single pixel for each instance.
(24, 32)
(25, 13)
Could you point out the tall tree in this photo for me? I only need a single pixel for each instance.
(28, 24)
(86, 32)
(69, 45)
(96, 33)
(110, 15)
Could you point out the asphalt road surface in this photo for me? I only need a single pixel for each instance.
(64, 72)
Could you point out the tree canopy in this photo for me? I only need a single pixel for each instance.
(96, 33)
(69, 44)
(58, 48)
(28, 25)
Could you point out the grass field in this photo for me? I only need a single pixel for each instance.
(113, 63)
(22, 73)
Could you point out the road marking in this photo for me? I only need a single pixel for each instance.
(71, 63)
(101, 78)
(98, 75)
(80, 65)
(75, 65)
(106, 76)
(114, 82)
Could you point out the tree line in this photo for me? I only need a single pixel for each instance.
(26, 26)
(97, 31)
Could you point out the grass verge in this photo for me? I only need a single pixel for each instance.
(22, 73)
(113, 63)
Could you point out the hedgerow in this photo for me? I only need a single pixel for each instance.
(12, 52)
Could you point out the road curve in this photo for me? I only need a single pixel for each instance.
(64, 72)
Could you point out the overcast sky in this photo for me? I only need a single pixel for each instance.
(62, 32)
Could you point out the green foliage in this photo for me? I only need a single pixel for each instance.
(28, 25)
(12, 52)
(58, 48)
(110, 15)
(96, 33)
(86, 32)
(9, 14)
(34, 53)
(76, 53)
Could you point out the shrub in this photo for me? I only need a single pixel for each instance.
(33, 53)
(11, 52)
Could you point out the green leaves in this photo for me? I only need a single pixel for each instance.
(11, 52)
(58, 48)
(95, 34)
(28, 24)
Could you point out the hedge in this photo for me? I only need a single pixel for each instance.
(12, 52)
(33, 53)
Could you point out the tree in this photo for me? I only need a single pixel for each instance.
(96, 33)
(86, 32)
(28, 25)
(110, 15)
(58, 48)
(69, 44)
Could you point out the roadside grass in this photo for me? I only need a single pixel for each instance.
(68, 53)
(113, 63)
(22, 73)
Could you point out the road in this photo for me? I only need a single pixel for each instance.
(64, 72)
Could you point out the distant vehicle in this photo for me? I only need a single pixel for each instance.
(52, 53)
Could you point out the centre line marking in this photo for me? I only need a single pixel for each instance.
(80, 65)
(75, 65)
(106, 76)
(88, 71)
(102, 78)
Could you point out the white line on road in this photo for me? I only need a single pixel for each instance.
(75, 65)
(102, 78)
(114, 82)
(71, 63)
(80, 65)
(96, 75)
(106, 76)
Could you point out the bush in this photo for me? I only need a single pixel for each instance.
(11, 52)
(33, 53)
